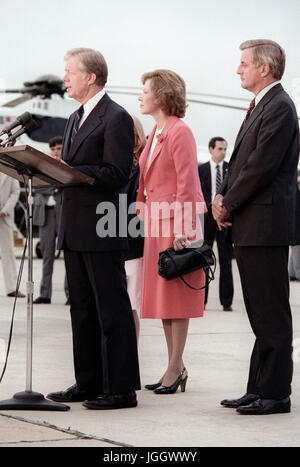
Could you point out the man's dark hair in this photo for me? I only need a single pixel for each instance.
(212, 142)
(54, 141)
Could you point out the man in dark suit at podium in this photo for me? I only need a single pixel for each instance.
(257, 197)
(99, 142)
(211, 176)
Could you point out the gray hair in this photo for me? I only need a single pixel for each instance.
(265, 51)
(91, 61)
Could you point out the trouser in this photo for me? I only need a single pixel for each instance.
(9, 265)
(104, 339)
(265, 284)
(47, 234)
(225, 251)
(294, 265)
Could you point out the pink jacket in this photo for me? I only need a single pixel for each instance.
(172, 178)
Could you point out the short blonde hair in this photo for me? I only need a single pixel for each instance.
(91, 61)
(140, 139)
(265, 51)
(169, 90)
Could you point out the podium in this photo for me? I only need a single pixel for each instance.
(38, 170)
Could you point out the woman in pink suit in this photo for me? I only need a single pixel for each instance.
(170, 201)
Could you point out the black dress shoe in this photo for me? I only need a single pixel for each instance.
(16, 294)
(244, 400)
(266, 407)
(42, 300)
(227, 308)
(112, 401)
(72, 394)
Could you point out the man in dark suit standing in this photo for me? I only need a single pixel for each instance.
(46, 213)
(211, 176)
(99, 142)
(257, 198)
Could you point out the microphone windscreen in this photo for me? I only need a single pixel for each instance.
(31, 125)
(24, 118)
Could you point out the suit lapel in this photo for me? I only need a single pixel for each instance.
(255, 114)
(92, 122)
(67, 137)
(208, 181)
(161, 138)
(207, 176)
(145, 153)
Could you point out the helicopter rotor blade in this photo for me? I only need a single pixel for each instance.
(18, 91)
(195, 101)
(19, 100)
(217, 104)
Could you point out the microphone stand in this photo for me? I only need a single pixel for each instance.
(28, 400)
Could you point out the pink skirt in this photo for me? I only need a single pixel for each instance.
(168, 299)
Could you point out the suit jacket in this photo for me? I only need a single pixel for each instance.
(172, 176)
(102, 149)
(135, 244)
(205, 179)
(40, 202)
(259, 186)
(9, 195)
(297, 216)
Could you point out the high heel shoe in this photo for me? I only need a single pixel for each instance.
(180, 381)
(152, 387)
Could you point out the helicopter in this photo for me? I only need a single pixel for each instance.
(45, 98)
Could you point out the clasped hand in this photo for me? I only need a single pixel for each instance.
(220, 213)
(180, 242)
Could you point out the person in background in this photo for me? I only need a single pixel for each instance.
(168, 175)
(211, 176)
(9, 195)
(134, 255)
(46, 212)
(294, 264)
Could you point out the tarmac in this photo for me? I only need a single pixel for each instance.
(216, 356)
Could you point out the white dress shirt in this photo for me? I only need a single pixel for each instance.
(90, 105)
(264, 91)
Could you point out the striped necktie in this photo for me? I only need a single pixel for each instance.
(218, 178)
(77, 119)
(250, 108)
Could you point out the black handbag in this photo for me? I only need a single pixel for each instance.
(173, 263)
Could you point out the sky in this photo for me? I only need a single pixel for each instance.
(197, 39)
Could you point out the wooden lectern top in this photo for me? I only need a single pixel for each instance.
(46, 170)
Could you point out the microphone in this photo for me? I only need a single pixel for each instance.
(27, 128)
(21, 120)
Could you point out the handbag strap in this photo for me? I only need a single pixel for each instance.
(209, 272)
